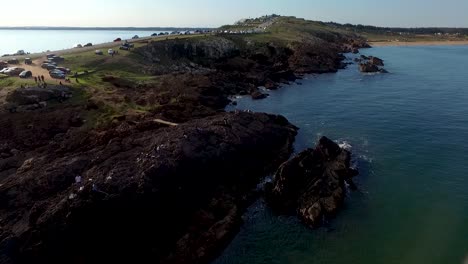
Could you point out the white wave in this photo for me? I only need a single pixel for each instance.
(345, 145)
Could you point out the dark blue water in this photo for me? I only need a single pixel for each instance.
(409, 135)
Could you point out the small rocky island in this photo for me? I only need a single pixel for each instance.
(312, 183)
(371, 64)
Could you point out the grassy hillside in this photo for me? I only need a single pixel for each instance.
(128, 83)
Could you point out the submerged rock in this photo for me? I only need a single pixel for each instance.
(312, 183)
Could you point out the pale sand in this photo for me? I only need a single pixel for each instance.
(419, 43)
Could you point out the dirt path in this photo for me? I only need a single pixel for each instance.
(36, 69)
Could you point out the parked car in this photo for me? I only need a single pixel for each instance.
(50, 56)
(20, 53)
(154, 34)
(13, 61)
(110, 51)
(28, 61)
(98, 52)
(136, 37)
(57, 59)
(88, 45)
(63, 69)
(123, 47)
(3, 64)
(117, 39)
(78, 46)
(25, 74)
(51, 67)
(128, 45)
(56, 74)
(13, 71)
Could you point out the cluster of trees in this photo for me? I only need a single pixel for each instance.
(386, 30)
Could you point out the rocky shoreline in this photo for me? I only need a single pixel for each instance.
(153, 192)
(142, 184)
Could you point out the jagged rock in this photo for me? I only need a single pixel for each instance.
(312, 183)
(368, 67)
(371, 64)
(257, 95)
(271, 85)
(36, 95)
(376, 61)
(164, 195)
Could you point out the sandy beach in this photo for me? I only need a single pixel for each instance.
(419, 43)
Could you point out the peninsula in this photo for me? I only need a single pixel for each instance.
(131, 158)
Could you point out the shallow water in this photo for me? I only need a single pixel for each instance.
(409, 132)
(34, 41)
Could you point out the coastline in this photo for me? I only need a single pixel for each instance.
(190, 94)
(106, 45)
(417, 43)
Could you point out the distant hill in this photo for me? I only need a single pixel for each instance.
(411, 30)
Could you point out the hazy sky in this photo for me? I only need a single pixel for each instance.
(210, 13)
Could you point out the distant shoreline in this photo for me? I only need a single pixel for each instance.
(109, 28)
(418, 43)
(94, 47)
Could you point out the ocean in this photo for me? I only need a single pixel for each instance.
(34, 41)
(408, 131)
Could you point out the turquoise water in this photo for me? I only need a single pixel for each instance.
(409, 134)
(42, 40)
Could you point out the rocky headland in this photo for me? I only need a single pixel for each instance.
(166, 178)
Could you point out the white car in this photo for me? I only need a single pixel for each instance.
(111, 51)
(13, 71)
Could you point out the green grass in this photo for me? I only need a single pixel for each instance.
(9, 82)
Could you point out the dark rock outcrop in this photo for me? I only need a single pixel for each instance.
(312, 183)
(35, 95)
(152, 194)
(371, 64)
(376, 61)
(368, 67)
(257, 95)
(235, 64)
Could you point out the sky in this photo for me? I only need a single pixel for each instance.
(214, 13)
